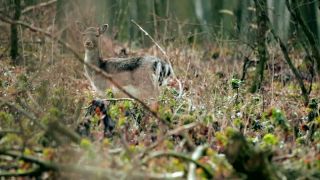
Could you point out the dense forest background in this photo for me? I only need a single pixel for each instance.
(249, 71)
(204, 19)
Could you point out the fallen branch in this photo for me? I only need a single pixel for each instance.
(180, 156)
(30, 159)
(92, 172)
(33, 172)
(80, 59)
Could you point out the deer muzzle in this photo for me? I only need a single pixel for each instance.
(89, 44)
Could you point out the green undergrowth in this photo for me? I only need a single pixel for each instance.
(217, 125)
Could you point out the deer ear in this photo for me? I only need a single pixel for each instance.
(80, 26)
(103, 28)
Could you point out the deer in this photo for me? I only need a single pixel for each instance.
(140, 76)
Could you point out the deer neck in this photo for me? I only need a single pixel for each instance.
(92, 56)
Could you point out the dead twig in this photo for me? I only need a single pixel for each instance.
(147, 34)
(118, 99)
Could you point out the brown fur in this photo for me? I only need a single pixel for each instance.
(141, 76)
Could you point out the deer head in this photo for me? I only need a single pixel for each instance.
(91, 35)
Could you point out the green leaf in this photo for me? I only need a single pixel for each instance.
(85, 144)
(279, 119)
(227, 12)
(270, 139)
(235, 83)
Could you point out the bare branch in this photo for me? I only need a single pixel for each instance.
(314, 45)
(118, 99)
(43, 4)
(93, 172)
(147, 34)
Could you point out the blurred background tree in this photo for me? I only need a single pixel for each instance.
(208, 18)
(230, 18)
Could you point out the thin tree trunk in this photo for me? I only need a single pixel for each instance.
(280, 18)
(262, 19)
(14, 51)
(62, 8)
(160, 7)
(309, 13)
(216, 18)
(297, 17)
(243, 20)
(297, 74)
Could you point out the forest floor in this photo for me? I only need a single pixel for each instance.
(216, 130)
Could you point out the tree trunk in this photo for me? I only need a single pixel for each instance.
(229, 20)
(14, 51)
(243, 20)
(294, 10)
(280, 18)
(262, 21)
(216, 18)
(160, 10)
(309, 11)
(144, 15)
(61, 21)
